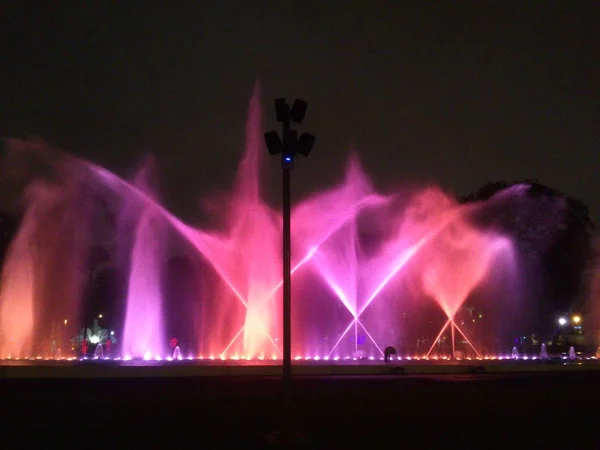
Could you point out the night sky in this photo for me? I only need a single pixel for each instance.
(450, 93)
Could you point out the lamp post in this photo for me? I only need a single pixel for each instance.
(290, 146)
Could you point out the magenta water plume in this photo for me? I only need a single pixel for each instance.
(593, 280)
(143, 333)
(370, 269)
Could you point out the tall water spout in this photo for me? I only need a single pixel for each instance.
(99, 352)
(515, 353)
(177, 353)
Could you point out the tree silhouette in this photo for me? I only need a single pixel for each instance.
(553, 232)
(485, 192)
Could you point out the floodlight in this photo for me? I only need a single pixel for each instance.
(282, 110)
(298, 111)
(274, 144)
(305, 144)
(562, 321)
(576, 319)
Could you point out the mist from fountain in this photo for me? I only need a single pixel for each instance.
(515, 353)
(44, 273)
(458, 258)
(177, 353)
(593, 297)
(543, 352)
(17, 294)
(143, 334)
(429, 236)
(99, 352)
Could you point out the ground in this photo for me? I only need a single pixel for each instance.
(508, 411)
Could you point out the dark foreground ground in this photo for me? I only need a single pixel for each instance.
(528, 411)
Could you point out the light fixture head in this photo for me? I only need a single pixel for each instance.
(298, 111)
(273, 141)
(282, 110)
(305, 144)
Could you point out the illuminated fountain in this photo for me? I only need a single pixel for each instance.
(176, 353)
(99, 352)
(593, 300)
(354, 254)
(36, 294)
(17, 294)
(457, 258)
(143, 333)
(336, 253)
(246, 255)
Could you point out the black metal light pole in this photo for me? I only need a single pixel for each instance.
(286, 165)
(289, 146)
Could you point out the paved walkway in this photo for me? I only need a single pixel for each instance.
(542, 410)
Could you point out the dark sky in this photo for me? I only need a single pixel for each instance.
(450, 92)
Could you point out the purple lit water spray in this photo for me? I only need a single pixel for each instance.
(426, 236)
